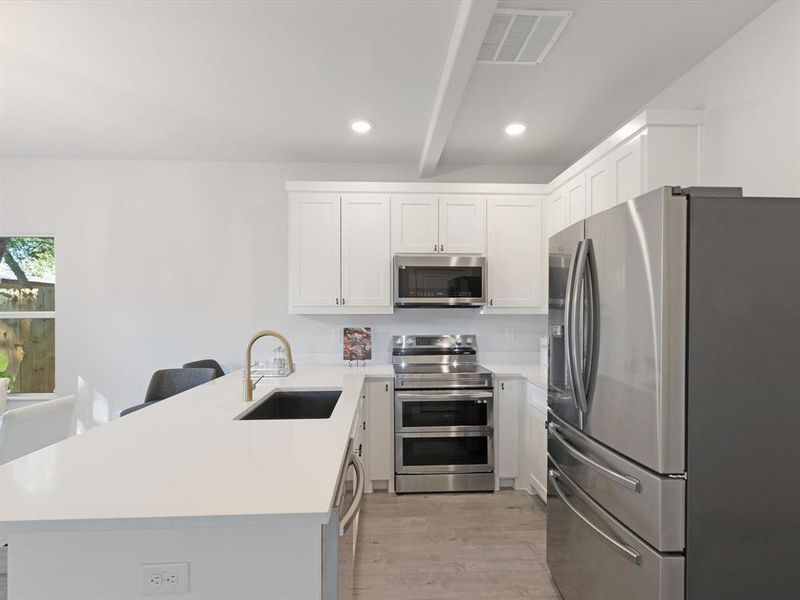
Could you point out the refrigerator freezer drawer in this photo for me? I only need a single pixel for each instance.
(592, 555)
(651, 505)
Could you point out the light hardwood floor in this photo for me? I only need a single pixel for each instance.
(445, 547)
(452, 546)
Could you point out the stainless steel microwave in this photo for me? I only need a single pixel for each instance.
(439, 281)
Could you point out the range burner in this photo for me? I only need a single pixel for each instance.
(440, 361)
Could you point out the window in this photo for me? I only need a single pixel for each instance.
(27, 312)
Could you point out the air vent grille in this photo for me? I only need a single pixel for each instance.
(522, 37)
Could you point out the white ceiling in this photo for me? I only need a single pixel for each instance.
(280, 80)
(610, 60)
(220, 80)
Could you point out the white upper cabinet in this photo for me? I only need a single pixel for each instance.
(339, 258)
(576, 198)
(626, 171)
(415, 223)
(366, 263)
(556, 211)
(314, 243)
(430, 224)
(515, 253)
(598, 186)
(462, 224)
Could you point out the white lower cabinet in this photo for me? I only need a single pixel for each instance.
(536, 439)
(521, 435)
(507, 392)
(380, 435)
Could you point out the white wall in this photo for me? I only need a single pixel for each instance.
(159, 263)
(750, 89)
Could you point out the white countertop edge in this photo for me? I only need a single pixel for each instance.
(68, 525)
(534, 373)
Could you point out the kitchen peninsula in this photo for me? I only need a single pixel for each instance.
(243, 502)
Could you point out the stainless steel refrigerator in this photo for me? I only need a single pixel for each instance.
(674, 399)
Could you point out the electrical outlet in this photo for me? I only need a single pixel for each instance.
(511, 334)
(336, 335)
(165, 578)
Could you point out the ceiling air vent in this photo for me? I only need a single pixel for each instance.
(522, 37)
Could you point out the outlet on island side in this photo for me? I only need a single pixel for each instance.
(164, 578)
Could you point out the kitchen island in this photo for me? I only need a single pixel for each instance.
(244, 503)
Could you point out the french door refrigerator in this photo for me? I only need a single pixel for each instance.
(674, 399)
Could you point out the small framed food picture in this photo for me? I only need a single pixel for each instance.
(357, 344)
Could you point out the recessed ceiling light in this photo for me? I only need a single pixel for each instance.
(361, 126)
(516, 129)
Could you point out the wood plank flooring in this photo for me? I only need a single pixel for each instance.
(452, 546)
(444, 547)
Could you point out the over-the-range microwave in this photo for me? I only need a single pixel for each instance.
(439, 281)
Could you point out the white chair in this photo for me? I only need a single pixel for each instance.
(30, 428)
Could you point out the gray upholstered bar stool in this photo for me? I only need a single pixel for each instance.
(206, 363)
(169, 382)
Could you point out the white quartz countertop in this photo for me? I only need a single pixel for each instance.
(187, 458)
(535, 373)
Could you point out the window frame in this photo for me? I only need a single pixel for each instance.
(22, 397)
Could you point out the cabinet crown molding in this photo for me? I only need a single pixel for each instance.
(401, 187)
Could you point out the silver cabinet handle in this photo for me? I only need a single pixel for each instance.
(355, 505)
(624, 480)
(342, 301)
(441, 247)
(435, 247)
(337, 302)
(491, 302)
(624, 549)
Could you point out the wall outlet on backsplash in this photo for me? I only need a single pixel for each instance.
(336, 335)
(511, 334)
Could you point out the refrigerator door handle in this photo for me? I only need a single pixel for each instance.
(624, 480)
(593, 328)
(624, 549)
(568, 324)
(574, 366)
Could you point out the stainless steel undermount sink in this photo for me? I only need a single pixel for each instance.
(294, 404)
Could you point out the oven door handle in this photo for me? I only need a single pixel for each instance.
(435, 395)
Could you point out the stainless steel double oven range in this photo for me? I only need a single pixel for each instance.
(444, 415)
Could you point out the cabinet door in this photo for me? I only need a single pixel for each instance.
(626, 171)
(462, 224)
(598, 186)
(366, 258)
(415, 223)
(537, 444)
(576, 198)
(515, 252)
(507, 427)
(314, 250)
(556, 212)
(381, 462)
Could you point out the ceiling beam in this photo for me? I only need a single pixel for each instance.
(470, 27)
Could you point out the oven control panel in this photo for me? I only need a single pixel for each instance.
(435, 343)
